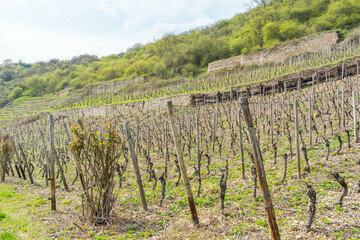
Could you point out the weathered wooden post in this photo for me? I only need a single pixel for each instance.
(357, 76)
(338, 102)
(136, 167)
(342, 108)
(297, 139)
(283, 112)
(310, 119)
(47, 159)
(166, 150)
(177, 142)
(258, 160)
(356, 130)
(137, 138)
(271, 121)
(198, 153)
(215, 121)
(241, 146)
(52, 162)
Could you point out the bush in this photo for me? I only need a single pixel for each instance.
(235, 46)
(189, 70)
(61, 85)
(290, 30)
(7, 150)
(16, 92)
(95, 157)
(160, 70)
(272, 33)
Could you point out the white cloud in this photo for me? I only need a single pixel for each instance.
(34, 30)
(31, 44)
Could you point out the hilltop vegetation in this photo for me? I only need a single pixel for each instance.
(186, 54)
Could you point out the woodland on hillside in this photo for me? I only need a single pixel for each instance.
(182, 55)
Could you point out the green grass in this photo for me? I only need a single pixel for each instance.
(8, 236)
(16, 215)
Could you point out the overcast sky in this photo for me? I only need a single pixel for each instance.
(34, 30)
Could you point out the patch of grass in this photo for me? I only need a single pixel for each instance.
(262, 223)
(133, 228)
(7, 236)
(40, 200)
(6, 193)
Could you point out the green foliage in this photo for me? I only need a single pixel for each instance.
(290, 30)
(340, 14)
(160, 70)
(186, 54)
(16, 92)
(2, 215)
(272, 33)
(261, 223)
(7, 75)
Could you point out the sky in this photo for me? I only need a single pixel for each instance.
(40, 30)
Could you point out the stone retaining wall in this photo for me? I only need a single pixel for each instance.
(317, 43)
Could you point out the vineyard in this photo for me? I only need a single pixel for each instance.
(237, 78)
(189, 172)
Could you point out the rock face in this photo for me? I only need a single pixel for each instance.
(317, 43)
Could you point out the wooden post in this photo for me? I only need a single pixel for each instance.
(189, 137)
(197, 140)
(136, 167)
(47, 159)
(177, 142)
(148, 141)
(258, 102)
(260, 170)
(357, 76)
(356, 130)
(271, 122)
(241, 146)
(52, 162)
(214, 125)
(198, 153)
(283, 112)
(313, 86)
(342, 108)
(310, 119)
(297, 139)
(137, 138)
(166, 150)
(338, 101)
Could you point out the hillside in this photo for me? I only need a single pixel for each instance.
(186, 55)
(149, 144)
(307, 136)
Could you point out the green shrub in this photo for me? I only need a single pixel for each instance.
(2, 215)
(16, 92)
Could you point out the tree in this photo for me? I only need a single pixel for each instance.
(16, 92)
(7, 75)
